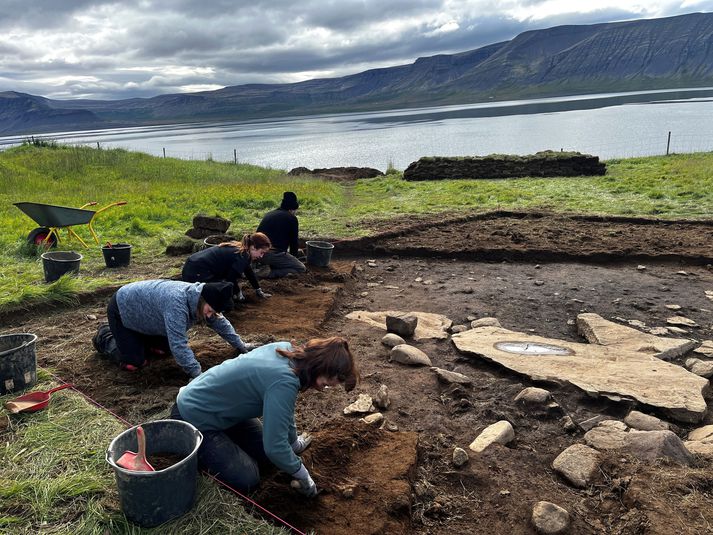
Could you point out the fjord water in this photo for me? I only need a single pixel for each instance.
(606, 125)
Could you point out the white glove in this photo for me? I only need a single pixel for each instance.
(303, 483)
(301, 443)
(262, 294)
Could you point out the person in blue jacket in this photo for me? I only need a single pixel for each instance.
(142, 313)
(228, 262)
(226, 402)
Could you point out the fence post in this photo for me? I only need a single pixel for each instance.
(235, 156)
(98, 147)
(668, 143)
(164, 152)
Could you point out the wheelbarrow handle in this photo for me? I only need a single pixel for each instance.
(61, 387)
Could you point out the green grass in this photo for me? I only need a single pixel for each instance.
(54, 479)
(164, 194)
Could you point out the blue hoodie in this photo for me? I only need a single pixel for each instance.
(169, 308)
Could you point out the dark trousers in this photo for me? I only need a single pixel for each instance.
(234, 455)
(132, 345)
(282, 263)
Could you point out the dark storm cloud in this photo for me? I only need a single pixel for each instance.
(123, 49)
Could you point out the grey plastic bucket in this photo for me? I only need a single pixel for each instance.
(57, 263)
(152, 498)
(117, 255)
(319, 253)
(18, 362)
(216, 239)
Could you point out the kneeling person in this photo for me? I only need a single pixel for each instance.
(145, 311)
(226, 403)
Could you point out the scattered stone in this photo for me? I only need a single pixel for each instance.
(641, 268)
(652, 445)
(684, 273)
(361, 405)
(500, 432)
(403, 325)
(505, 492)
(429, 325)
(364, 294)
(673, 307)
(578, 464)
(91, 317)
(571, 322)
(460, 457)
(568, 424)
(391, 340)
(406, 354)
(485, 322)
(681, 320)
(371, 264)
(644, 422)
(706, 348)
(459, 328)
(592, 422)
(599, 331)
(550, 519)
(636, 323)
(704, 449)
(373, 284)
(702, 434)
(709, 294)
(533, 396)
(644, 445)
(392, 427)
(539, 282)
(391, 287)
(677, 330)
(471, 318)
(382, 399)
(373, 419)
(704, 368)
(449, 377)
(658, 331)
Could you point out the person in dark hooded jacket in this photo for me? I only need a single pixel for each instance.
(282, 227)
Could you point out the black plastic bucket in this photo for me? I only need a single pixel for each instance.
(152, 498)
(18, 363)
(319, 253)
(117, 255)
(57, 263)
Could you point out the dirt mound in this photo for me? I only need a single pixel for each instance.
(365, 479)
(541, 237)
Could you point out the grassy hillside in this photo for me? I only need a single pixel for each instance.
(164, 194)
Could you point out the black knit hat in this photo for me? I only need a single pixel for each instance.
(219, 295)
(289, 201)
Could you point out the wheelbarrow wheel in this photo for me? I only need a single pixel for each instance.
(39, 237)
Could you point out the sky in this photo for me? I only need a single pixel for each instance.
(101, 49)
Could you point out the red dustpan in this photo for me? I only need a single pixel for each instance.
(34, 401)
(136, 461)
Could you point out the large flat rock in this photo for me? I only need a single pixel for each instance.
(598, 330)
(429, 325)
(598, 370)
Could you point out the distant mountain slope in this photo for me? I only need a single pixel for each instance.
(644, 54)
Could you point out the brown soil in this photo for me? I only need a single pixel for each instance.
(565, 265)
(161, 461)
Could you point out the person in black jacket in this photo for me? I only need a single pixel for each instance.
(227, 262)
(282, 227)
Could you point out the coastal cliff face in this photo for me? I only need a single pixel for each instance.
(636, 55)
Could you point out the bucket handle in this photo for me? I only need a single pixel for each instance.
(18, 348)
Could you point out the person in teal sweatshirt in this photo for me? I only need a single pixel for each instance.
(226, 402)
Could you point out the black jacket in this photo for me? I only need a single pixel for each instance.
(219, 264)
(282, 228)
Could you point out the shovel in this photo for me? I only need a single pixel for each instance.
(136, 461)
(34, 401)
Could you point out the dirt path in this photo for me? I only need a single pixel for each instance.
(436, 268)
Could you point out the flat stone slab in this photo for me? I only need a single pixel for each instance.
(603, 332)
(598, 370)
(429, 325)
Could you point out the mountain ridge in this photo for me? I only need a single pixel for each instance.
(650, 54)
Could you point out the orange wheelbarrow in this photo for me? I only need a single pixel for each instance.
(52, 219)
